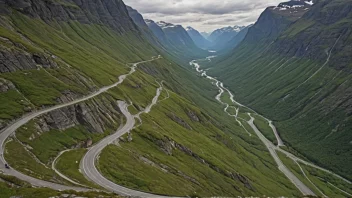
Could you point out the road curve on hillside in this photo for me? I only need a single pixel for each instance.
(9, 130)
(272, 149)
(270, 146)
(88, 165)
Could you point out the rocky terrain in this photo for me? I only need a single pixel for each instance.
(109, 13)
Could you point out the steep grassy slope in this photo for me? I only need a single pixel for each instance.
(13, 187)
(81, 61)
(177, 144)
(300, 78)
(214, 156)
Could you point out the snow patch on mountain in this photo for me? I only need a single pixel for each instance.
(165, 25)
(294, 4)
(309, 2)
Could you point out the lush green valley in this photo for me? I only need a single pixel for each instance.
(67, 65)
(301, 81)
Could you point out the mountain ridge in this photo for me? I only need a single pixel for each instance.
(308, 101)
(198, 39)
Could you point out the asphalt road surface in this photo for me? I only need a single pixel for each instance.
(88, 165)
(5, 133)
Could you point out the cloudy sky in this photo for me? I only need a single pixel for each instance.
(204, 15)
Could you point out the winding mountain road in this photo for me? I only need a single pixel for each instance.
(62, 175)
(272, 149)
(9, 130)
(88, 166)
(270, 146)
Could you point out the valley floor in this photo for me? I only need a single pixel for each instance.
(247, 119)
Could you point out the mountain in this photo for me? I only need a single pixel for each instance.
(295, 67)
(198, 39)
(205, 34)
(69, 82)
(232, 44)
(177, 35)
(221, 37)
(147, 33)
(275, 19)
(176, 40)
(158, 32)
(225, 33)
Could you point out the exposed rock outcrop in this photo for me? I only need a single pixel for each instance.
(166, 145)
(17, 58)
(274, 20)
(95, 115)
(111, 13)
(13, 60)
(179, 121)
(6, 85)
(193, 116)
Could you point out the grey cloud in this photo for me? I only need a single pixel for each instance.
(204, 15)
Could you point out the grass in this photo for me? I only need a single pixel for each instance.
(294, 168)
(263, 126)
(133, 110)
(95, 53)
(319, 178)
(244, 116)
(11, 186)
(46, 146)
(37, 86)
(136, 164)
(327, 183)
(271, 84)
(12, 105)
(225, 97)
(98, 53)
(68, 164)
(232, 110)
(19, 159)
(14, 180)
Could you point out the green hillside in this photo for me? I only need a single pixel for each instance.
(69, 57)
(301, 80)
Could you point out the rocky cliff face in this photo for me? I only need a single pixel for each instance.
(274, 20)
(111, 13)
(320, 35)
(14, 57)
(137, 17)
(96, 116)
(142, 25)
(24, 55)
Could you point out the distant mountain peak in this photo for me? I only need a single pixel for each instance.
(235, 28)
(165, 25)
(189, 28)
(294, 5)
(148, 21)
